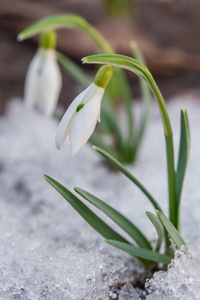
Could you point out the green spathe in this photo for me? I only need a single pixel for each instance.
(48, 39)
(103, 76)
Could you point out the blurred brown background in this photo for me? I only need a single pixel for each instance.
(167, 32)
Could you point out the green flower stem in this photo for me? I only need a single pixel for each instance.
(173, 214)
(65, 20)
(161, 104)
(139, 69)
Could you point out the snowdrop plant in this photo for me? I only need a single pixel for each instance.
(81, 117)
(79, 128)
(124, 147)
(43, 79)
(168, 229)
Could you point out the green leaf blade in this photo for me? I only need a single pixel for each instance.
(140, 252)
(175, 235)
(159, 228)
(184, 149)
(118, 218)
(90, 217)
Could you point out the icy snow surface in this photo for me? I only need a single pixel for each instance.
(48, 252)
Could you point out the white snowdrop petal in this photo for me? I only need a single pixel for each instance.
(96, 92)
(91, 92)
(63, 127)
(83, 124)
(32, 81)
(51, 82)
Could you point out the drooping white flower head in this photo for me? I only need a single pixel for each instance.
(80, 119)
(43, 80)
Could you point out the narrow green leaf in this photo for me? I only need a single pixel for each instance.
(120, 167)
(184, 148)
(118, 218)
(175, 235)
(159, 228)
(171, 180)
(140, 252)
(89, 216)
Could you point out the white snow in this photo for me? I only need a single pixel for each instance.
(181, 281)
(48, 252)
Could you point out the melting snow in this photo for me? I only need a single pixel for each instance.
(48, 252)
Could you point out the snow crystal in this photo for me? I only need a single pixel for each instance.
(48, 252)
(180, 282)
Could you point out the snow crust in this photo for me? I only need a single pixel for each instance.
(48, 252)
(181, 281)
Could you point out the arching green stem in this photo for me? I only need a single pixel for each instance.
(66, 20)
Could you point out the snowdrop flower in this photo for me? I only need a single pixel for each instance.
(43, 80)
(80, 119)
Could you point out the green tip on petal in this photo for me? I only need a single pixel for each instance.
(48, 40)
(103, 76)
(79, 107)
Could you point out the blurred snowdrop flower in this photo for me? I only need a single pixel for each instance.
(43, 80)
(80, 119)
